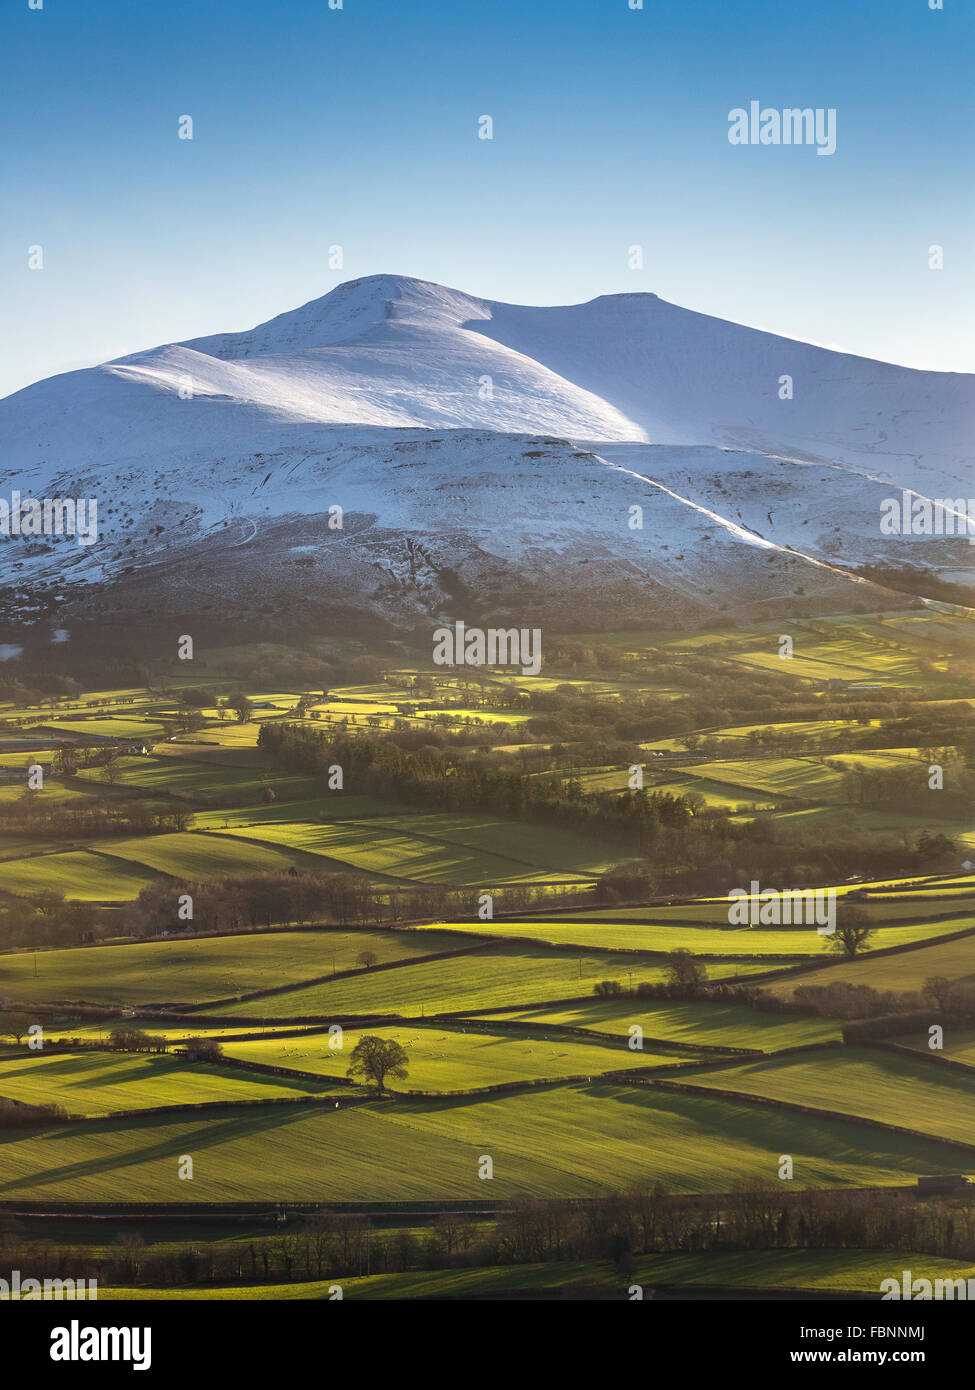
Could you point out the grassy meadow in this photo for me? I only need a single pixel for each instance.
(549, 1033)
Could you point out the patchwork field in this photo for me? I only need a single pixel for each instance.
(957, 1043)
(458, 1059)
(98, 1083)
(189, 855)
(86, 875)
(953, 959)
(567, 1140)
(375, 847)
(860, 1081)
(336, 806)
(180, 776)
(479, 979)
(205, 967)
(786, 945)
(112, 726)
(711, 1025)
(787, 773)
(803, 779)
(917, 906)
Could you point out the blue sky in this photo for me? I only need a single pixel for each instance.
(357, 127)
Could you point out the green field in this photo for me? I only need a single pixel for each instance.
(51, 794)
(853, 658)
(861, 1081)
(24, 848)
(711, 1025)
(205, 967)
(83, 874)
(330, 806)
(373, 847)
(178, 776)
(174, 1033)
(906, 971)
(765, 780)
(112, 726)
(457, 1059)
(19, 758)
(98, 1083)
(806, 779)
(551, 848)
(884, 759)
(227, 736)
(785, 944)
(191, 854)
(921, 908)
(835, 1271)
(958, 1043)
(567, 1140)
(486, 977)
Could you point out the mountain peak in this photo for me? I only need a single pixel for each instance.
(349, 311)
(427, 412)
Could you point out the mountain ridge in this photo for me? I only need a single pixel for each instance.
(511, 442)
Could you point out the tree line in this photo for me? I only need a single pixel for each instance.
(613, 1231)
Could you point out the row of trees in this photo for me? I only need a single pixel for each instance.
(686, 846)
(32, 817)
(126, 1038)
(757, 1215)
(46, 919)
(433, 778)
(247, 901)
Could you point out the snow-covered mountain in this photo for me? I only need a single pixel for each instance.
(487, 459)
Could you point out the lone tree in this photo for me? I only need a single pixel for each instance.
(366, 958)
(685, 969)
(206, 1049)
(852, 934)
(14, 1025)
(241, 706)
(937, 988)
(373, 1059)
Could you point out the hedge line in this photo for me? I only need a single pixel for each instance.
(818, 1112)
(324, 979)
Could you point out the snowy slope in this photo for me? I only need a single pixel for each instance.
(506, 442)
(396, 352)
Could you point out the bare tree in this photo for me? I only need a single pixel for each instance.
(14, 1025)
(685, 969)
(373, 1059)
(937, 988)
(852, 934)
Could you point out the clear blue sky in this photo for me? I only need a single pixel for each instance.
(358, 127)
